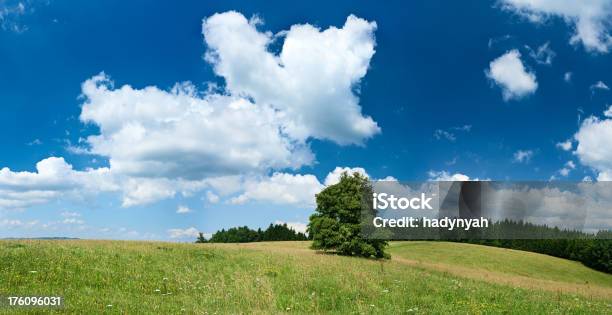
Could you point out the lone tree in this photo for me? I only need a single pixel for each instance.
(201, 238)
(336, 226)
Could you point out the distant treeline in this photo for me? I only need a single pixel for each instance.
(593, 250)
(274, 232)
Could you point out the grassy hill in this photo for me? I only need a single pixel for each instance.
(422, 277)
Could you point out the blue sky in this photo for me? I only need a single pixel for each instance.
(416, 91)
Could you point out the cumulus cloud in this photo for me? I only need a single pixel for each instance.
(604, 176)
(445, 176)
(282, 188)
(593, 145)
(565, 145)
(509, 73)
(569, 166)
(567, 77)
(163, 142)
(590, 20)
(334, 176)
(608, 112)
(523, 156)
(52, 179)
(187, 233)
(212, 197)
(292, 189)
(160, 143)
(180, 134)
(311, 80)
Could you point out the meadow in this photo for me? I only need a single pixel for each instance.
(287, 277)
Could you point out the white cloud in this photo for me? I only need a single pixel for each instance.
(590, 20)
(225, 185)
(293, 189)
(312, 79)
(608, 112)
(160, 143)
(543, 54)
(183, 210)
(54, 178)
(296, 226)
(565, 145)
(141, 191)
(593, 149)
(567, 77)
(282, 188)
(604, 176)
(599, 85)
(187, 233)
(523, 156)
(212, 197)
(508, 72)
(569, 166)
(178, 134)
(334, 176)
(445, 176)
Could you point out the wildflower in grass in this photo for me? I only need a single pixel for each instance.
(33, 271)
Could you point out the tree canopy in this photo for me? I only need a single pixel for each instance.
(336, 224)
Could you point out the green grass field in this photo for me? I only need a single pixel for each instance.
(286, 277)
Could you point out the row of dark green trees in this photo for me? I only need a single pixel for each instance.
(243, 234)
